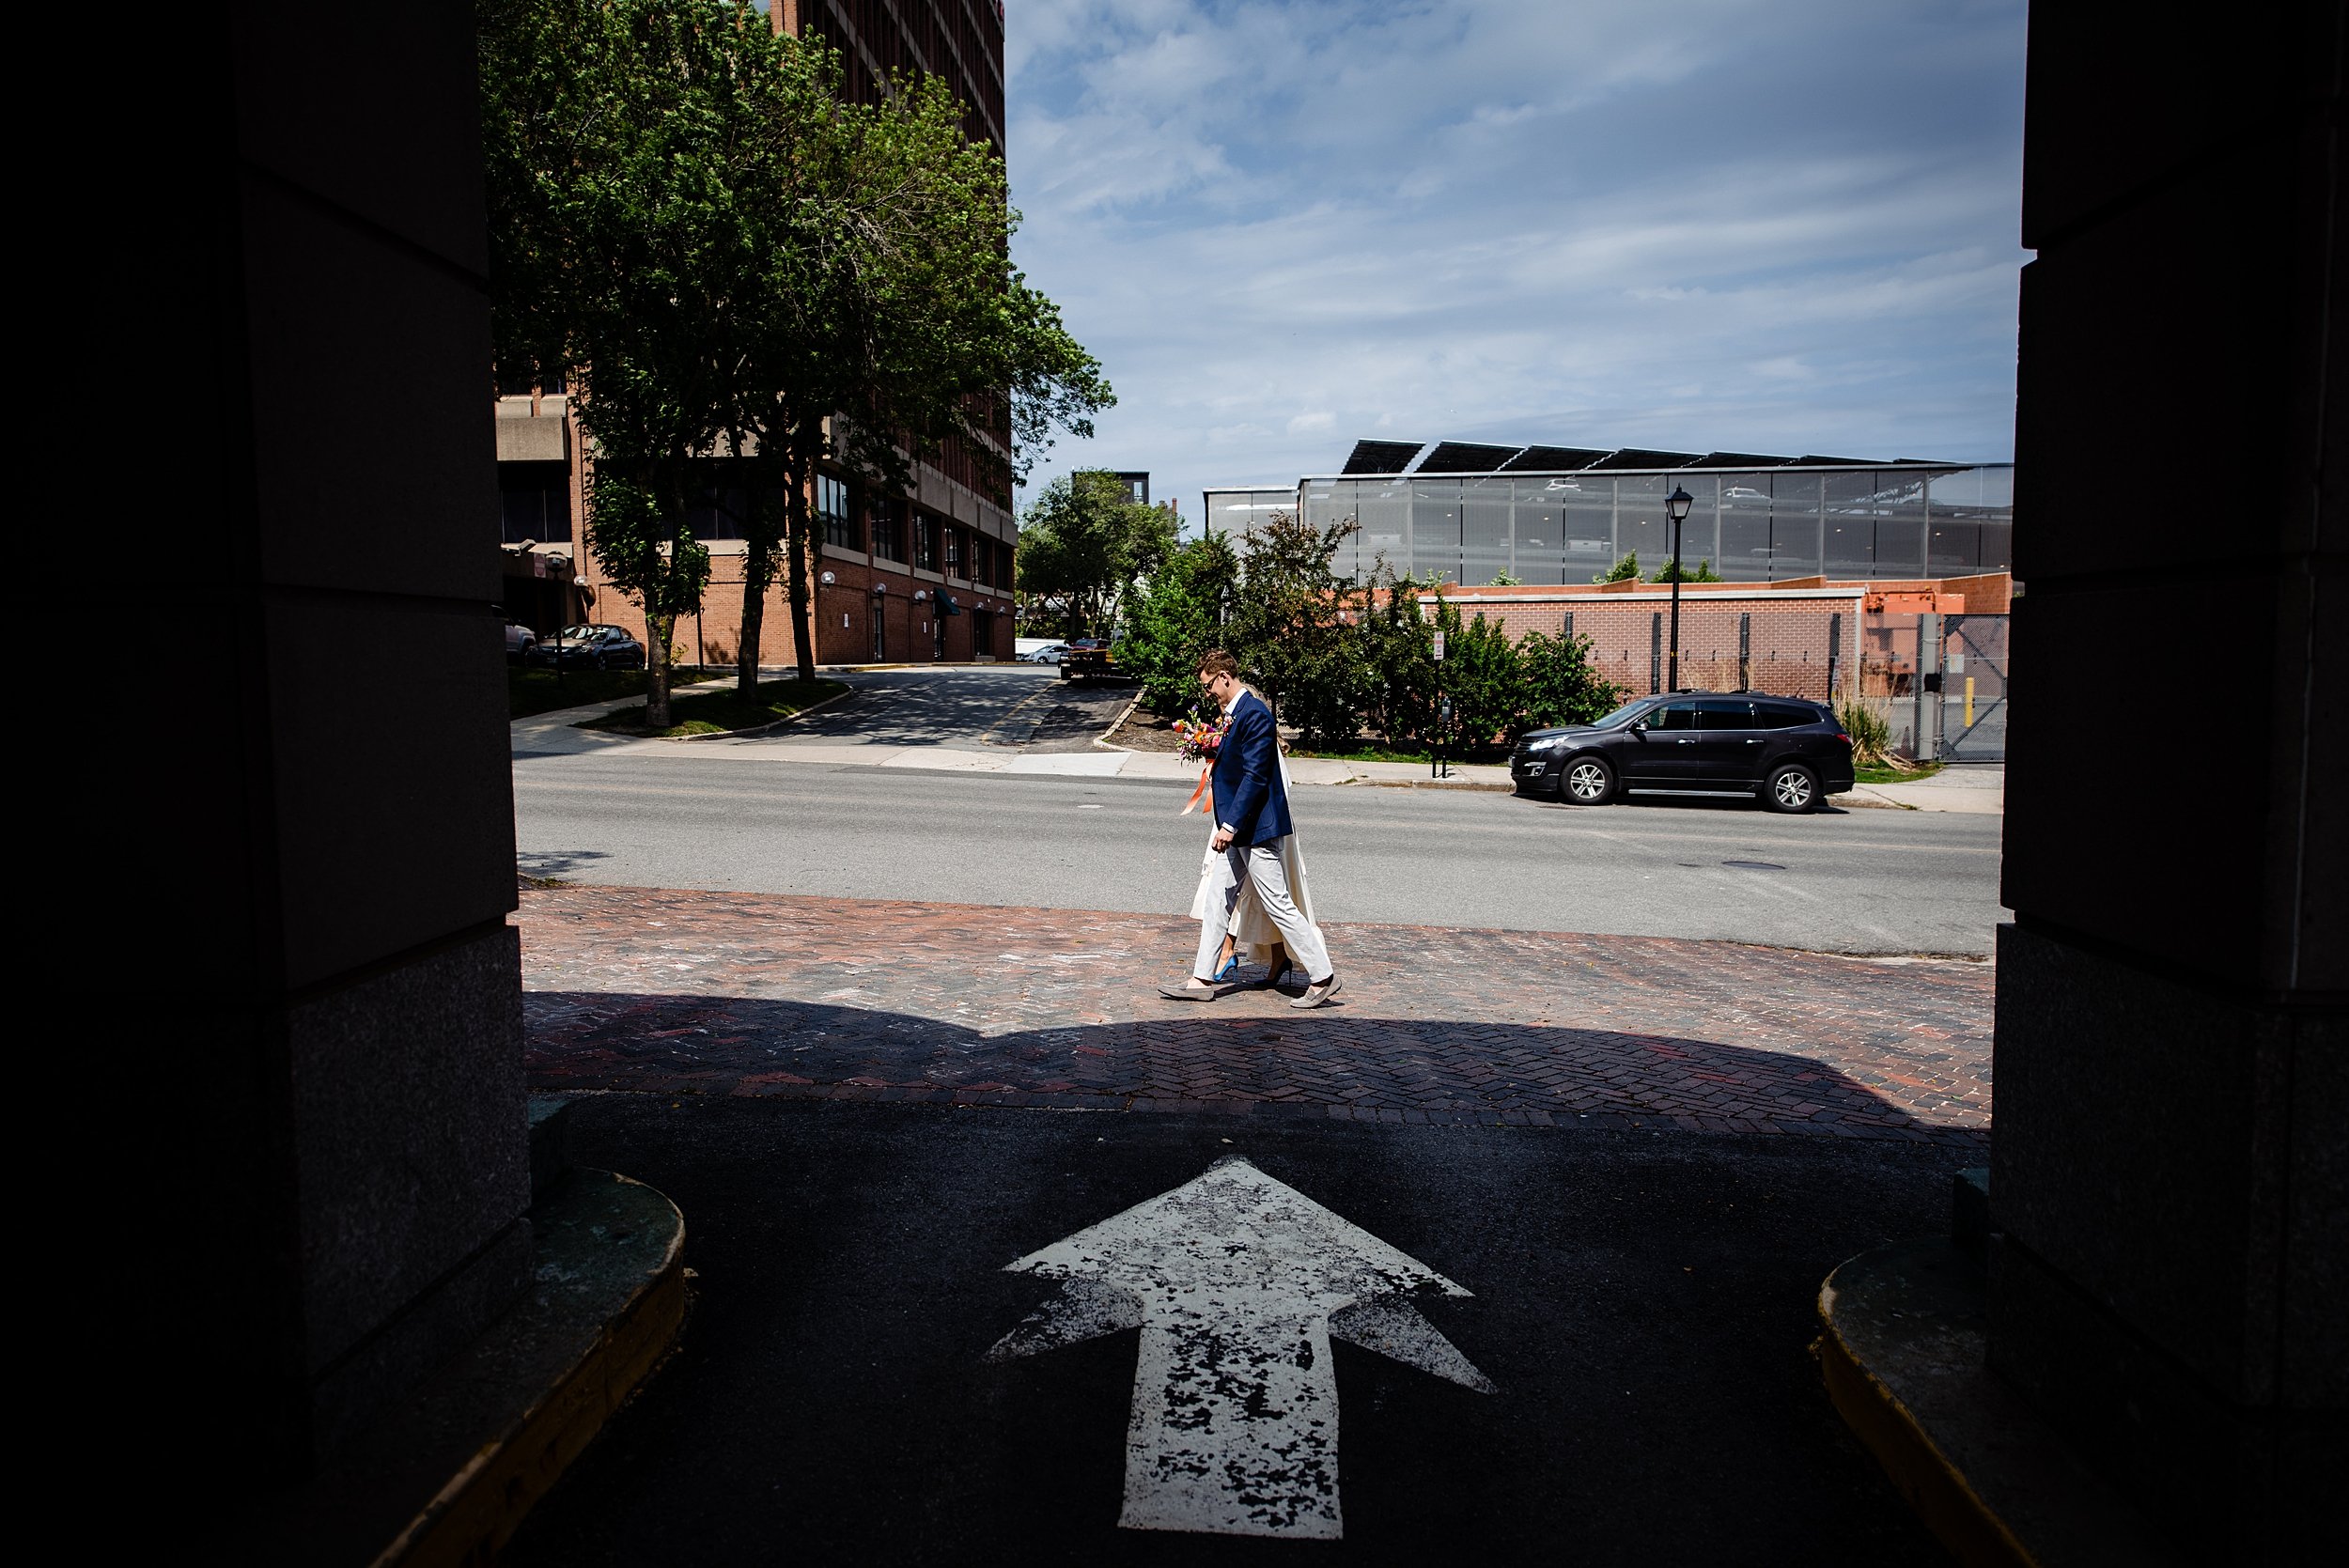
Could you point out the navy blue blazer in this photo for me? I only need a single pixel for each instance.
(1249, 798)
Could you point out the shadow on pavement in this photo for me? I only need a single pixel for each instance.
(1264, 1063)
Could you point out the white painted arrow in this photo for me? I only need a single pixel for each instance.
(1237, 1284)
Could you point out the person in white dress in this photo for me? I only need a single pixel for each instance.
(1250, 937)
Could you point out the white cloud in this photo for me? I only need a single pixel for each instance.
(1685, 223)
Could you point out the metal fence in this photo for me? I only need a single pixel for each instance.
(1939, 684)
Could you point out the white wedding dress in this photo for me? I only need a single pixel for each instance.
(1253, 934)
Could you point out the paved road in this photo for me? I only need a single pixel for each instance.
(1026, 707)
(1641, 1305)
(1841, 881)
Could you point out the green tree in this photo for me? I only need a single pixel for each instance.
(615, 169)
(1560, 688)
(1291, 626)
(749, 268)
(1702, 572)
(890, 322)
(1625, 569)
(1394, 648)
(1084, 543)
(1482, 677)
(1176, 614)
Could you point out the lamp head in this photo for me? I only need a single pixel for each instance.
(1678, 503)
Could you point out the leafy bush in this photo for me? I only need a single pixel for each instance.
(1625, 571)
(1560, 688)
(1704, 573)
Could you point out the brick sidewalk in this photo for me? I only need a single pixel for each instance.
(667, 992)
(955, 1003)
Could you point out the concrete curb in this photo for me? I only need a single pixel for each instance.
(1901, 1349)
(1125, 713)
(445, 1478)
(485, 1502)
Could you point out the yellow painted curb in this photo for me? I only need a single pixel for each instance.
(1934, 1488)
(480, 1509)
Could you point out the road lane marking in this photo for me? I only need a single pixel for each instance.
(1238, 1283)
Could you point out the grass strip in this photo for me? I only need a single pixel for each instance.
(1876, 773)
(721, 712)
(531, 690)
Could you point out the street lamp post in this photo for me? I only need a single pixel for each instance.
(1676, 507)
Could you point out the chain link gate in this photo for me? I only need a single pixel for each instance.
(1973, 688)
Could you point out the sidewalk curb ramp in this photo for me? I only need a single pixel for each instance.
(446, 1478)
(1901, 1349)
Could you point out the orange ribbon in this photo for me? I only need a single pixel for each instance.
(1192, 804)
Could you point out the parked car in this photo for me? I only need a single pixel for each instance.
(1791, 752)
(1086, 659)
(519, 638)
(1050, 653)
(594, 648)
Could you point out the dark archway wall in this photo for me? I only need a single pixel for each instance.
(2168, 1169)
(278, 944)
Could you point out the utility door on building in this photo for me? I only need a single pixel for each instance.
(1973, 688)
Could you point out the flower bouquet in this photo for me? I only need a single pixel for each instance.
(1200, 742)
(1199, 738)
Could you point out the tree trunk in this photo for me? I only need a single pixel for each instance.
(659, 622)
(802, 479)
(758, 566)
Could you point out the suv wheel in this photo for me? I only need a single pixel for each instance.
(1587, 781)
(1791, 788)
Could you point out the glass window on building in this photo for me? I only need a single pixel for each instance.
(1539, 523)
(1851, 525)
(889, 528)
(1384, 511)
(535, 502)
(1972, 520)
(1700, 536)
(1328, 502)
(1795, 501)
(1640, 521)
(833, 511)
(1745, 545)
(718, 512)
(1589, 500)
(1485, 530)
(1900, 525)
(956, 563)
(1436, 529)
(925, 541)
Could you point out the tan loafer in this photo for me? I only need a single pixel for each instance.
(1194, 989)
(1317, 996)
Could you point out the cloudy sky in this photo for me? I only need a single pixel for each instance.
(1283, 225)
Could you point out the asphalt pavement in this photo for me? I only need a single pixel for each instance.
(1878, 881)
(1640, 1304)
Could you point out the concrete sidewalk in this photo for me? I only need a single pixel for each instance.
(1964, 786)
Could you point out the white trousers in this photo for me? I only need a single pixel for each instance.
(1258, 867)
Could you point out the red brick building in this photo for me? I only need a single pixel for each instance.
(913, 578)
(1806, 637)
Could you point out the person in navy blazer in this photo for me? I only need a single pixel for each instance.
(1252, 816)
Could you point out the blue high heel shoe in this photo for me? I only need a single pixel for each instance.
(1230, 970)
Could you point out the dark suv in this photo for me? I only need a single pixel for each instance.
(1791, 752)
